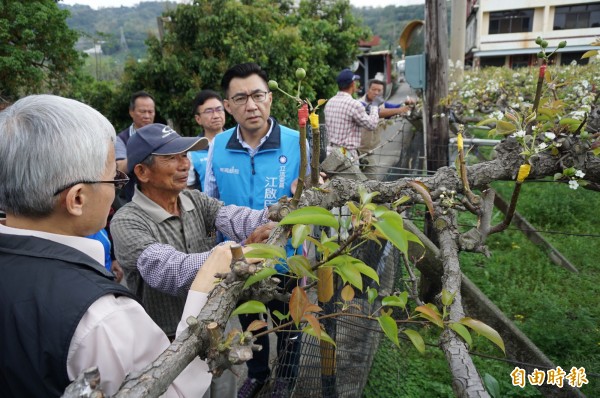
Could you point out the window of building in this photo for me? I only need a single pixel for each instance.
(513, 21)
(520, 61)
(567, 58)
(579, 16)
(492, 61)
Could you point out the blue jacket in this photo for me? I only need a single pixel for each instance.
(259, 181)
(199, 159)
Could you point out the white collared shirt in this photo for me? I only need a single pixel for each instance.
(118, 336)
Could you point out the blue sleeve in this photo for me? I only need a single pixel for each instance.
(389, 105)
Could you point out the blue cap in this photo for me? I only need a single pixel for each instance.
(346, 77)
(159, 139)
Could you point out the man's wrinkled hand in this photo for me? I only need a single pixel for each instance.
(261, 234)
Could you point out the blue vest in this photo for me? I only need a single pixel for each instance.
(199, 159)
(259, 181)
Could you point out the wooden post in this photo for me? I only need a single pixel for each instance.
(436, 53)
(458, 37)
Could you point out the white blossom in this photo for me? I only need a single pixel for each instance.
(520, 133)
(542, 146)
(550, 136)
(573, 184)
(579, 174)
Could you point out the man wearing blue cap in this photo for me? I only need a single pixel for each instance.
(345, 116)
(166, 233)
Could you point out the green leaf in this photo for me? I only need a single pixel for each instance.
(365, 270)
(572, 124)
(505, 128)
(391, 226)
(396, 301)
(400, 201)
(484, 330)
(323, 336)
(259, 276)
(353, 208)
(589, 54)
(416, 339)
(447, 297)
(280, 316)
(262, 250)
(389, 327)
(349, 273)
(491, 385)
(462, 332)
(487, 121)
(372, 294)
(430, 315)
(299, 234)
(300, 266)
(311, 215)
(250, 307)
(366, 197)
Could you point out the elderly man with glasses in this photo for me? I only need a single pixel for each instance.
(210, 115)
(254, 164)
(62, 312)
(166, 233)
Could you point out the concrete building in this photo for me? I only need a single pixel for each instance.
(503, 32)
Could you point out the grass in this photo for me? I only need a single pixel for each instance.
(557, 309)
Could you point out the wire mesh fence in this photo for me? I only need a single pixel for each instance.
(328, 371)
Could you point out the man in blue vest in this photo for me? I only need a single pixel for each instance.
(209, 113)
(254, 164)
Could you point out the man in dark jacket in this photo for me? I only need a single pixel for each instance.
(60, 310)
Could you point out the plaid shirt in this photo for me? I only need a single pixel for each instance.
(161, 253)
(344, 117)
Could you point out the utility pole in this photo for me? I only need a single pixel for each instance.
(458, 37)
(436, 89)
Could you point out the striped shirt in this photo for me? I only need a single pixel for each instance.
(161, 253)
(344, 117)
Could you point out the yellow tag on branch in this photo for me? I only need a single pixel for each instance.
(523, 172)
(459, 142)
(314, 120)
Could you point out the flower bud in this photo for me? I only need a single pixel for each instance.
(273, 85)
(300, 73)
(562, 44)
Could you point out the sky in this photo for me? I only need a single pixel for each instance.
(129, 3)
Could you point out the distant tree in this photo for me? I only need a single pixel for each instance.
(36, 48)
(204, 39)
(388, 23)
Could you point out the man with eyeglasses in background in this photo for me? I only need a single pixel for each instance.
(210, 115)
(254, 164)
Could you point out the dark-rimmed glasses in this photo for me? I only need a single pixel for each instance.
(121, 179)
(210, 111)
(257, 96)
